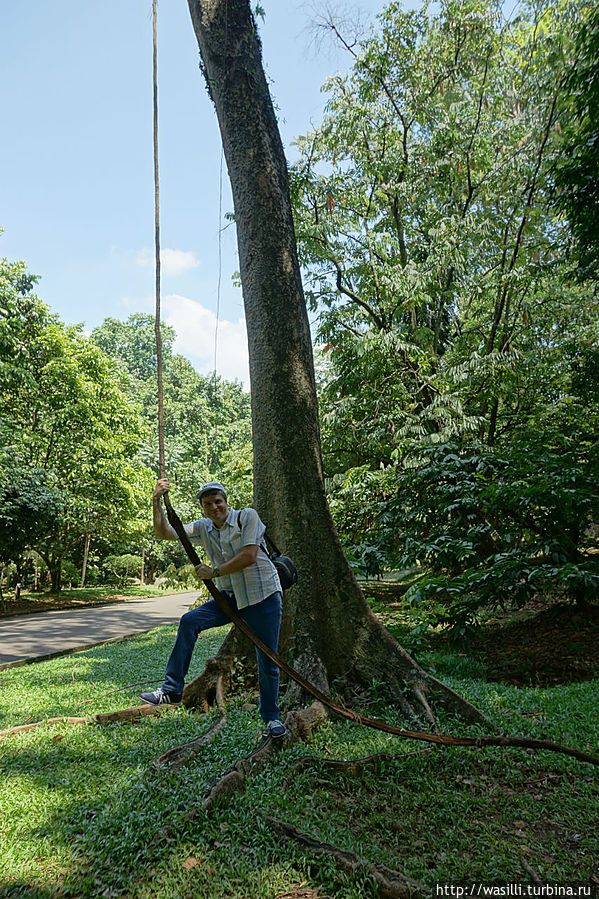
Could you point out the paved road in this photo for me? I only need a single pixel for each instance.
(27, 637)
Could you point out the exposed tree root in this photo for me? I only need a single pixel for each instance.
(376, 656)
(22, 728)
(122, 715)
(353, 767)
(299, 726)
(419, 693)
(211, 686)
(178, 756)
(391, 884)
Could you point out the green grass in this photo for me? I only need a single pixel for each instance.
(81, 813)
(88, 594)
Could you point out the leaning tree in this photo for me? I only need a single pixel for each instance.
(329, 630)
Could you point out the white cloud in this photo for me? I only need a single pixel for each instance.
(172, 262)
(195, 328)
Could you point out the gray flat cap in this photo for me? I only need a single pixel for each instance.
(208, 488)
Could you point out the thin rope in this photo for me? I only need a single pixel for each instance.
(218, 288)
(220, 254)
(161, 456)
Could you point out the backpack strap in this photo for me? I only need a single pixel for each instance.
(270, 544)
(274, 550)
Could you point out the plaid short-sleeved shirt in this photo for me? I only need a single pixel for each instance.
(242, 528)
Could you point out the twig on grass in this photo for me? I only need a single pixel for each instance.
(125, 716)
(531, 872)
(22, 728)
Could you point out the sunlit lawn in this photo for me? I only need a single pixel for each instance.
(81, 811)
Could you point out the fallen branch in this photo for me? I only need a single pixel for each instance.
(21, 728)
(391, 884)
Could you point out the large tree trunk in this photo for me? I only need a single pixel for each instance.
(334, 631)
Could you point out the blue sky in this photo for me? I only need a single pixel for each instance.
(76, 177)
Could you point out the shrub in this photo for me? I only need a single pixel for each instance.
(495, 527)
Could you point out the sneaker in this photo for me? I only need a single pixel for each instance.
(275, 729)
(160, 697)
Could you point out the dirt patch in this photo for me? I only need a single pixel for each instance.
(558, 645)
(547, 642)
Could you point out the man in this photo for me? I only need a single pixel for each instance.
(244, 573)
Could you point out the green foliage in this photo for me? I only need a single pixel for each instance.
(207, 420)
(494, 528)
(435, 263)
(77, 450)
(29, 510)
(123, 567)
(576, 176)
(63, 414)
(458, 362)
(182, 577)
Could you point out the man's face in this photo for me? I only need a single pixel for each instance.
(215, 507)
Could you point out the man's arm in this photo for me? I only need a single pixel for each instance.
(162, 529)
(246, 556)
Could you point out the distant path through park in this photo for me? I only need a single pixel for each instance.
(45, 634)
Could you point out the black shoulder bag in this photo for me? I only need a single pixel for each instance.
(285, 568)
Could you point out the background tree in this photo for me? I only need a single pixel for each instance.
(64, 414)
(207, 423)
(29, 511)
(206, 418)
(577, 180)
(432, 255)
(448, 308)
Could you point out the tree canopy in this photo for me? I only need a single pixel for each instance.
(449, 311)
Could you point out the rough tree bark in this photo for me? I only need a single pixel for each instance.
(329, 630)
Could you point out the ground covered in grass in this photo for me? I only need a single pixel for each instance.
(83, 813)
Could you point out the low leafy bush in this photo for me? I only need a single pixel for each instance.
(494, 528)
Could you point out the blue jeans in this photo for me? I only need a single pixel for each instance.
(264, 619)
